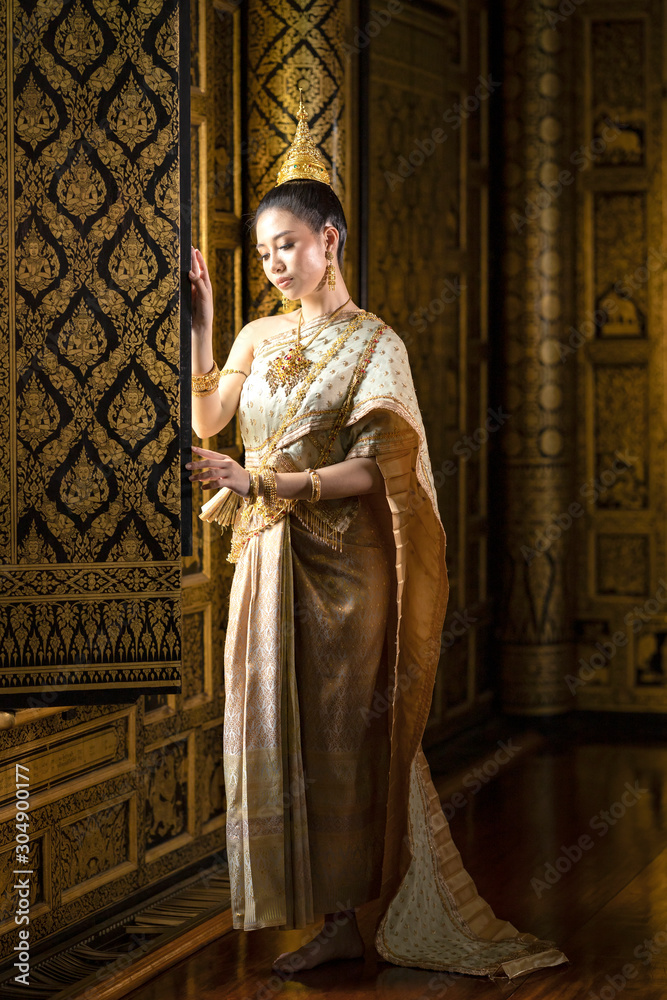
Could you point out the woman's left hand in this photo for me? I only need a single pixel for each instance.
(218, 470)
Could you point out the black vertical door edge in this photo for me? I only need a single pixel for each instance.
(186, 302)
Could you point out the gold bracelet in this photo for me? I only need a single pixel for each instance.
(205, 392)
(253, 493)
(270, 489)
(317, 487)
(202, 385)
(233, 371)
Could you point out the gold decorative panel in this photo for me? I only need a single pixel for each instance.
(623, 565)
(224, 79)
(618, 344)
(622, 438)
(97, 846)
(618, 89)
(535, 588)
(125, 798)
(169, 795)
(197, 41)
(290, 46)
(89, 522)
(197, 653)
(103, 747)
(225, 266)
(620, 247)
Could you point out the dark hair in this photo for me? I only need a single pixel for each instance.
(312, 202)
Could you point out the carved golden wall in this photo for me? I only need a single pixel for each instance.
(427, 161)
(291, 45)
(89, 520)
(126, 795)
(618, 345)
(585, 612)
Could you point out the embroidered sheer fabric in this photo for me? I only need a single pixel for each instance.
(336, 611)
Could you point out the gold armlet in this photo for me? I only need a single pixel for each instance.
(204, 385)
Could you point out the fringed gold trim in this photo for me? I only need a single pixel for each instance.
(319, 526)
(252, 518)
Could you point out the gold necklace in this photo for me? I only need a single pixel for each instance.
(288, 369)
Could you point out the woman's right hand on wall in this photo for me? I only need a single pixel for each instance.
(202, 296)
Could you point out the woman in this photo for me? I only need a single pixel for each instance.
(336, 610)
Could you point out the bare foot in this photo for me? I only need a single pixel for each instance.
(339, 938)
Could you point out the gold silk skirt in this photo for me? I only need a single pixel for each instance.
(306, 755)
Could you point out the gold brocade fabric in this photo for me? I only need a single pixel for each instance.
(330, 660)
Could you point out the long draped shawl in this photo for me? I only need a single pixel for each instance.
(358, 399)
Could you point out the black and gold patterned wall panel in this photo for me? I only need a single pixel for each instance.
(89, 256)
(126, 797)
(618, 344)
(290, 46)
(426, 150)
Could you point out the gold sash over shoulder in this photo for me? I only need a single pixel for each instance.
(322, 519)
(336, 613)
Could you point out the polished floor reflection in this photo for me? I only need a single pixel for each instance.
(563, 831)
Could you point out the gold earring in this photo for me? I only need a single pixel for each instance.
(331, 270)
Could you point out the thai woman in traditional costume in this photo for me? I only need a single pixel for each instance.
(336, 610)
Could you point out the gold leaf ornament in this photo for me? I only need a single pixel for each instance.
(37, 262)
(132, 413)
(131, 547)
(133, 265)
(79, 39)
(81, 188)
(131, 115)
(35, 114)
(84, 342)
(84, 488)
(39, 416)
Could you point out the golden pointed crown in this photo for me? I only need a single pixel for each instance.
(304, 160)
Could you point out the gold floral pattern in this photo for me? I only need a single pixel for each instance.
(92, 319)
(79, 39)
(81, 189)
(36, 116)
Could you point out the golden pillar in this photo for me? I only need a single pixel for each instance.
(538, 452)
(290, 46)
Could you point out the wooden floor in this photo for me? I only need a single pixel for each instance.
(607, 911)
